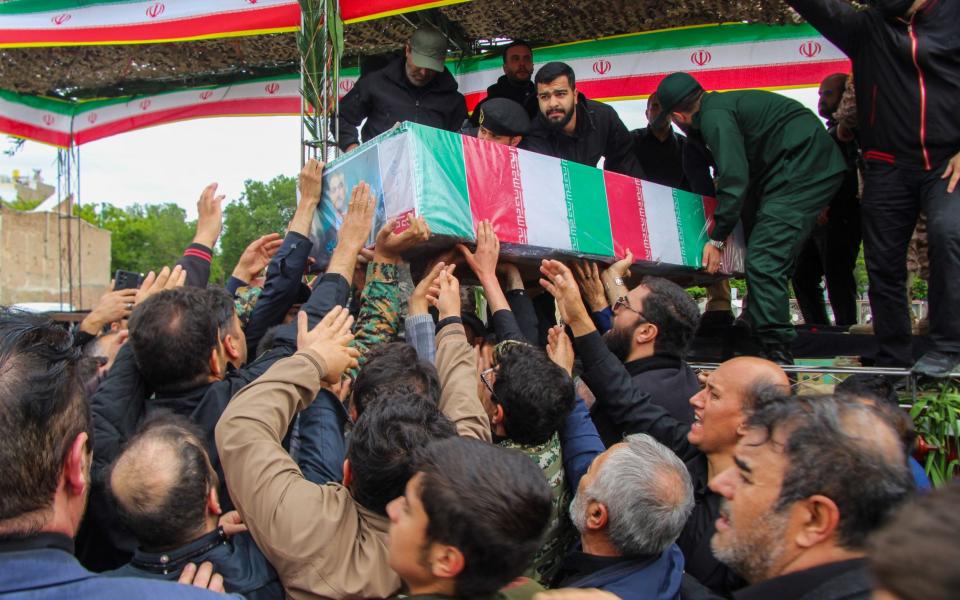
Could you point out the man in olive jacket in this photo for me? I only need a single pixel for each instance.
(774, 148)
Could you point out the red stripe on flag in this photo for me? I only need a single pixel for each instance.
(628, 222)
(275, 17)
(32, 132)
(709, 207)
(747, 77)
(493, 182)
(248, 106)
(358, 9)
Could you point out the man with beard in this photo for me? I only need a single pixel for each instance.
(834, 245)
(629, 508)
(777, 149)
(813, 478)
(416, 87)
(515, 82)
(653, 325)
(571, 127)
(907, 78)
(659, 148)
(707, 446)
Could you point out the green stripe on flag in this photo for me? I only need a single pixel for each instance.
(19, 7)
(443, 200)
(691, 226)
(61, 107)
(587, 209)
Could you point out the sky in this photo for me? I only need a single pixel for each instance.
(174, 162)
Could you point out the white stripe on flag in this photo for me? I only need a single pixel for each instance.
(544, 201)
(662, 223)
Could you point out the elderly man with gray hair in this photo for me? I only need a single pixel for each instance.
(630, 507)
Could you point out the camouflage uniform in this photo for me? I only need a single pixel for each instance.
(379, 318)
(560, 533)
(244, 300)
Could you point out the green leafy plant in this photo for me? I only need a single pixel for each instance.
(935, 415)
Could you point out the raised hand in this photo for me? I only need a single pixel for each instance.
(588, 278)
(329, 339)
(418, 304)
(445, 294)
(391, 245)
(209, 216)
(113, 306)
(310, 182)
(614, 275)
(155, 283)
(559, 282)
(355, 229)
(560, 348)
(257, 256)
(483, 261)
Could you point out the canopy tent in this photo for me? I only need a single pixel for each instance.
(723, 57)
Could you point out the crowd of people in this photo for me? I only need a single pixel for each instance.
(347, 435)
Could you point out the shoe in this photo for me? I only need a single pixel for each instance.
(778, 353)
(861, 329)
(936, 364)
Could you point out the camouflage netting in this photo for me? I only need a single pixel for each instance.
(97, 71)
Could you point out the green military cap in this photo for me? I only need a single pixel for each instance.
(428, 48)
(672, 89)
(502, 116)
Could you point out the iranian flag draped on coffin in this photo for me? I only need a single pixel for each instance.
(539, 205)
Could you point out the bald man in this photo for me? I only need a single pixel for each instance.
(831, 252)
(166, 494)
(707, 446)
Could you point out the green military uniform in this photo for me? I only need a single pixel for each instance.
(779, 152)
(560, 533)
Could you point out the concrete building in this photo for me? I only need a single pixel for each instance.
(52, 257)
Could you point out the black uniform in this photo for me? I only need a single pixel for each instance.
(844, 580)
(386, 97)
(832, 251)
(662, 162)
(907, 75)
(524, 94)
(599, 134)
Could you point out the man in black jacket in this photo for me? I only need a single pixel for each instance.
(813, 478)
(166, 492)
(571, 127)
(707, 446)
(415, 88)
(515, 83)
(653, 325)
(834, 244)
(660, 149)
(907, 76)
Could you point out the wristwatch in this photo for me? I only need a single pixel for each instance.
(717, 244)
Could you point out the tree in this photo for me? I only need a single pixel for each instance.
(262, 208)
(144, 237)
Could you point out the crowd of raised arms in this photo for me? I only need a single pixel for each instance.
(368, 428)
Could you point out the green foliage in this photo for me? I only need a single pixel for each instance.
(919, 289)
(262, 208)
(935, 416)
(143, 237)
(860, 274)
(697, 292)
(23, 204)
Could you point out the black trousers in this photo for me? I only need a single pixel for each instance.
(892, 199)
(831, 253)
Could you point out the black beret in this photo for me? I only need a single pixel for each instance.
(502, 116)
